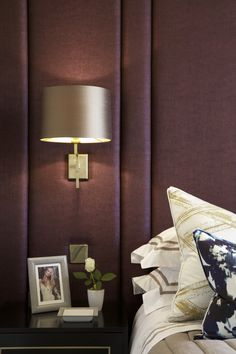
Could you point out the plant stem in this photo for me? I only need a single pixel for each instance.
(93, 280)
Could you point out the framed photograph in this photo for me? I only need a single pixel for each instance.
(48, 283)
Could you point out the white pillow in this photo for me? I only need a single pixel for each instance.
(162, 250)
(162, 278)
(158, 287)
(190, 213)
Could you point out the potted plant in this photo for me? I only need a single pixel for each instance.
(93, 279)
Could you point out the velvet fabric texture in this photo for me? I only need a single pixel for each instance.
(171, 69)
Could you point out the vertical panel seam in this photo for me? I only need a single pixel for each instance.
(120, 151)
(28, 127)
(151, 110)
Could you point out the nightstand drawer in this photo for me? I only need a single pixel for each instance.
(64, 342)
(57, 350)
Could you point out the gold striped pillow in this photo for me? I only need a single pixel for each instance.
(190, 213)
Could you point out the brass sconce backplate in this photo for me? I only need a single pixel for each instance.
(83, 166)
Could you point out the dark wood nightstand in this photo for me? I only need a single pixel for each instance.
(23, 333)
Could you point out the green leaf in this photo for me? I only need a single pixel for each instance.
(97, 274)
(98, 285)
(80, 275)
(88, 282)
(108, 276)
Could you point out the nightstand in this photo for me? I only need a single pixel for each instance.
(23, 333)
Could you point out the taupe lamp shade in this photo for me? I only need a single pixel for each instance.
(76, 114)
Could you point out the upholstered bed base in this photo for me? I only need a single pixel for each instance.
(184, 343)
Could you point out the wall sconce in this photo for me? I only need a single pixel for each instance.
(76, 114)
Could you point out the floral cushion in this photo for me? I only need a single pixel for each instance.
(162, 250)
(218, 258)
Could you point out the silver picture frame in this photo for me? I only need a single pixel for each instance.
(48, 283)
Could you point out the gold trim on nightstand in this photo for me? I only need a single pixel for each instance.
(57, 347)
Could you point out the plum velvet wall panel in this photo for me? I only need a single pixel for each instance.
(171, 69)
(13, 151)
(135, 134)
(75, 42)
(193, 102)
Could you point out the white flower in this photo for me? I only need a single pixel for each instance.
(89, 265)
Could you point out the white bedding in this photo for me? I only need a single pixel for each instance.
(150, 329)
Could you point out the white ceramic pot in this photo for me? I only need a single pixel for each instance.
(96, 298)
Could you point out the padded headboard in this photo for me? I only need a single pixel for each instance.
(171, 68)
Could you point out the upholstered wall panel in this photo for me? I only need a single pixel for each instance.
(171, 69)
(135, 136)
(75, 42)
(13, 151)
(193, 102)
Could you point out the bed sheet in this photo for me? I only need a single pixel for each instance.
(150, 329)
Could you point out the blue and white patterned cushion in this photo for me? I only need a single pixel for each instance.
(218, 258)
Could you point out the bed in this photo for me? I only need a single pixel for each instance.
(189, 296)
(153, 334)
